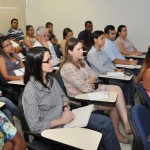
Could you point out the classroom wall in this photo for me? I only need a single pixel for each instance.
(9, 10)
(73, 14)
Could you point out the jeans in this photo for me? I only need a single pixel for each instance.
(10, 109)
(103, 124)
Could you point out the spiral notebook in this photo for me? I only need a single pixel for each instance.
(82, 116)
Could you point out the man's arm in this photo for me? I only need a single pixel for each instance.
(125, 62)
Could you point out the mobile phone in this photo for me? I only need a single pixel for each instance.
(128, 73)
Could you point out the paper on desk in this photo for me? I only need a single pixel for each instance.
(14, 44)
(19, 72)
(115, 74)
(98, 95)
(125, 66)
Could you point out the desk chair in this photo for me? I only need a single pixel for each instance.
(139, 119)
(144, 98)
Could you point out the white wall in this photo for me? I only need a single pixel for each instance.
(9, 10)
(73, 14)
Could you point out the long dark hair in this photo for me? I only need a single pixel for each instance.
(33, 66)
(70, 44)
(120, 29)
(65, 32)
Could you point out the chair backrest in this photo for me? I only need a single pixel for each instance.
(145, 100)
(140, 123)
(22, 119)
(60, 81)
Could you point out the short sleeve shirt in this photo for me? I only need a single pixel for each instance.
(7, 130)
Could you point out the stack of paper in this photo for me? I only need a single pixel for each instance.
(82, 116)
(115, 74)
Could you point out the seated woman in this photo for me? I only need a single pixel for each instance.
(29, 39)
(67, 34)
(144, 75)
(10, 139)
(52, 36)
(79, 78)
(9, 60)
(101, 64)
(125, 46)
(46, 106)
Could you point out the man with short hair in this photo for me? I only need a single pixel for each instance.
(85, 35)
(43, 40)
(112, 50)
(15, 33)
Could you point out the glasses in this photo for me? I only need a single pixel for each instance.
(48, 60)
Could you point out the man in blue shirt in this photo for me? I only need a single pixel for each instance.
(112, 50)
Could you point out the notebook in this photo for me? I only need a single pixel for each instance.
(82, 116)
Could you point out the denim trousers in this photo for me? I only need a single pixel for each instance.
(10, 109)
(103, 124)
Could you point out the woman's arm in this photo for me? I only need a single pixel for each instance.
(70, 74)
(125, 52)
(63, 43)
(27, 42)
(3, 71)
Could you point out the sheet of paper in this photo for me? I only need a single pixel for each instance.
(125, 66)
(19, 72)
(115, 74)
(98, 95)
(14, 44)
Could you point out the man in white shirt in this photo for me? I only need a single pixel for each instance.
(43, 40)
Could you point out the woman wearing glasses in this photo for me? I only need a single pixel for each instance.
(46, 106)
(9, 60)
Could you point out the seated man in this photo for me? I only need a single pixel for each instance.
(43, 41)
(85, 35)
(15, 33)
(9, 136)
(112, 50)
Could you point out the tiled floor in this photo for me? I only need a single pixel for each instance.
(123, 146)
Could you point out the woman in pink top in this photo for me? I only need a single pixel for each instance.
(144, 75)
(125, 46)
